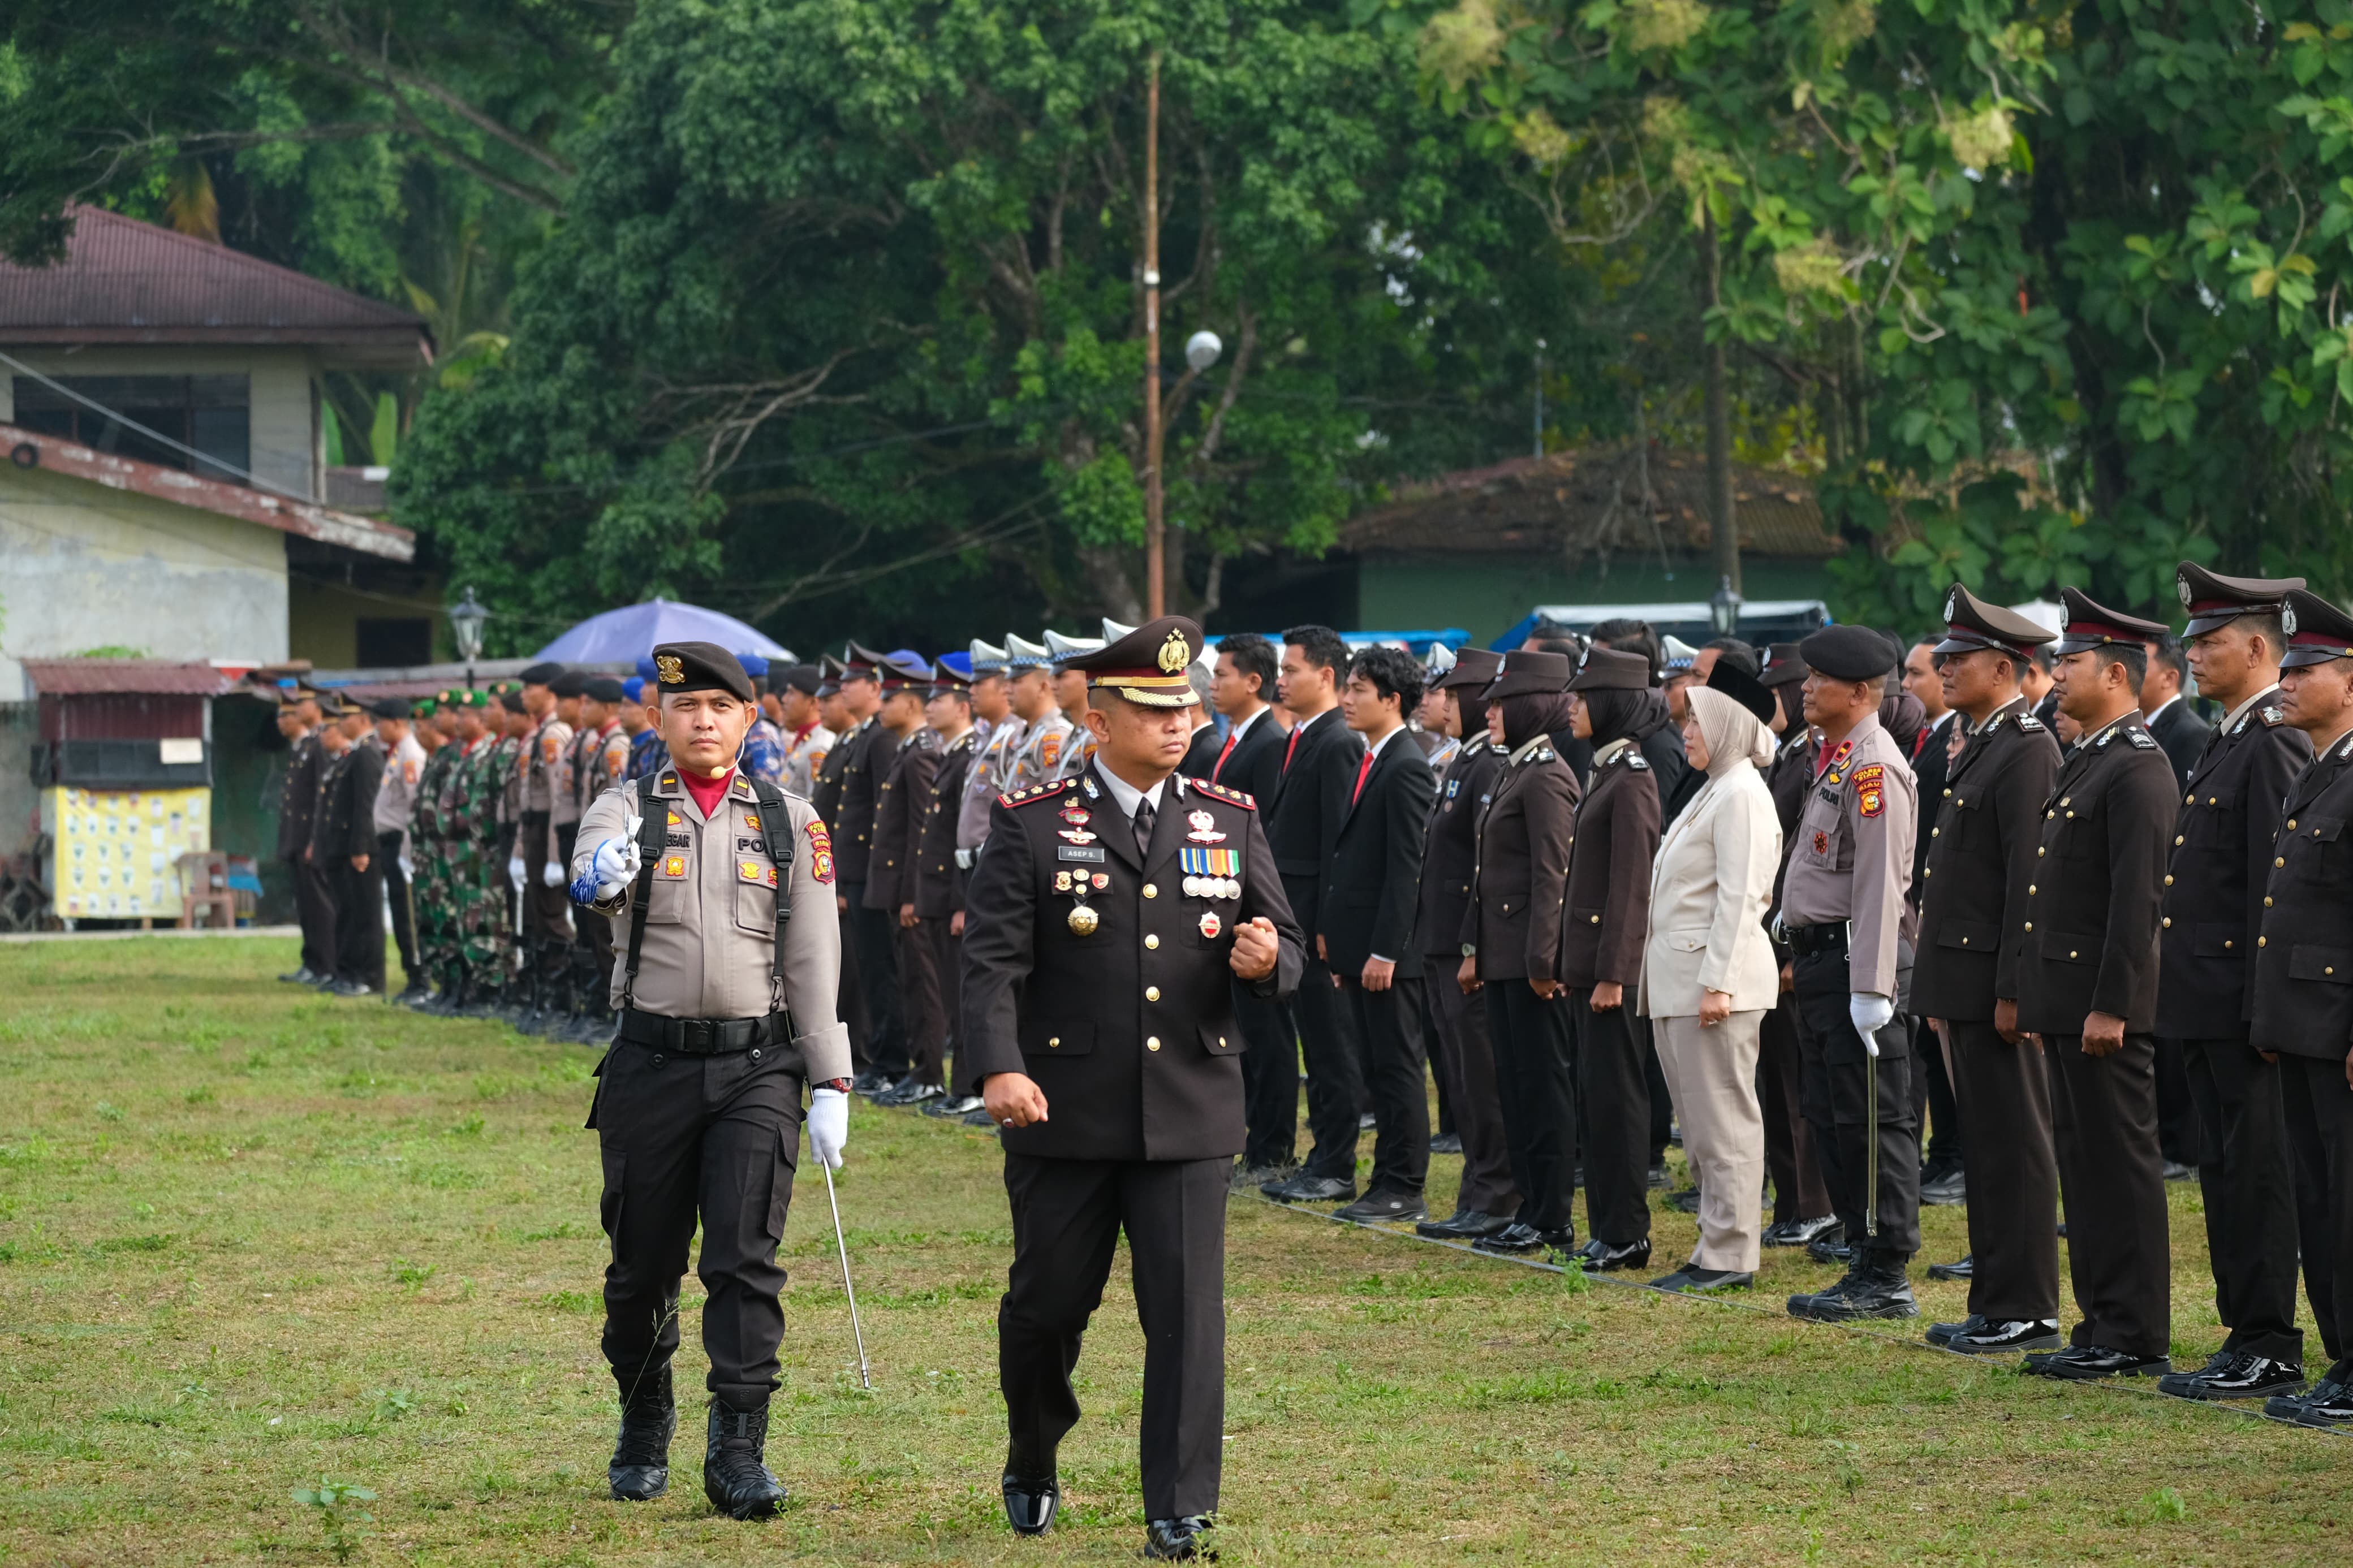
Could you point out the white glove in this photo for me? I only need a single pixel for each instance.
(408, 867)
(616, 866)
(515, 872)
(1871, 1013)
(550, 874)
(828, 1125)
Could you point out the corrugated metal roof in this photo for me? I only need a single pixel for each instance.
(1582, 502)
(106, 677)
(126, 282)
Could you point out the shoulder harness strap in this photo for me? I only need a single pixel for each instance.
(776, 828)
(653, 829)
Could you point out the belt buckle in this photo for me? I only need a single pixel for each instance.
(695, 1034)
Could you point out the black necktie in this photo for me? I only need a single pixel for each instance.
(1143, 828)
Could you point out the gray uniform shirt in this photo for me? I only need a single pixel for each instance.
(396, 796)
(1850, 858)
(1045, 747)
(711, 917)
(989, 776)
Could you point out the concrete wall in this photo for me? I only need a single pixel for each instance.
(1488, 595)
(84, 567)
(289, 441)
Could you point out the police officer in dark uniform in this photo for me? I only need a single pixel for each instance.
(298, 803)
(913, 751)
(939, 884)
(2229, 814)
(2302, 1000)
(866, 753)
(1107, 919)
(2087, 984)
(1980, 859)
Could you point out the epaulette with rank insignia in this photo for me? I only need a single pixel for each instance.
(2030, 723)
(2272, 718)
(1036, 791)
(2142, 739)
(1243, 798)
(1637, 761)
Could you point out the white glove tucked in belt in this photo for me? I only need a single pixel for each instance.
(1871, 1013)
(515, 872)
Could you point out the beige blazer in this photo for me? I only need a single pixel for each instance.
(1710, 886)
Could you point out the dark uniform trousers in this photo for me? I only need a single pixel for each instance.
(2013, 1208)
(1393, 1061)
(1336, 1082)
(1613, 1089)
(875, 935)
(1797, 1190)
(1067, 1219)
(685, 1136)
(1831, 1096)
(314, 908)
(547, 912)
(919, 984)
(947, 964)
(849, 1006)
(2318, 1106)
(404, 909)
(2250, 1197)
(1468, 1061)
(2103, 1120)
(359, 920)
(1535, 1080)
(1270, 1079)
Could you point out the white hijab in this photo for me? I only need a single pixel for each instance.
(1733, 734)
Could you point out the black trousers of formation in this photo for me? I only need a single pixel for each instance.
(1535, 1079)
(1837, 1109)
(687, 1137)
(2318, 1106)
(1468, 1061)
(2013, 1208)
(1660, 1127)
(547, 912)
(2103, 1120)
(919, 988)
(404, 907)
(851, 1004)
(314, 910)
(1270, 1080)
(875, 934)
(1442, 1076)
(2179, 1139)
(1336, 1083)
(2250, 1229)
(1797, 1190)
(1391, 1051)
(1067, 1218)
(1615, 1093)
(359, 920)
(947, 964)
(1933, 1097)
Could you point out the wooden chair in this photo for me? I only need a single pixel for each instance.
(204, 885)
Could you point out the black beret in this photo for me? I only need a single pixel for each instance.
(604, 688)
(392, 708)
(513, 702)
(542, 674)
(1527, 674)
(1849, 653)
(571, 683)
(798, 677)
(700, 666)
(1607, 669)
(1745, 688)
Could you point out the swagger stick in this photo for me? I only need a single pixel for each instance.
(841, 1242)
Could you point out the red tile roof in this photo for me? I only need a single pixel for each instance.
(138, 677)
(124, 281)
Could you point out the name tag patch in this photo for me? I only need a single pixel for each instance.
(1093, 856)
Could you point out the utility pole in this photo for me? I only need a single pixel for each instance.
(1722, 525)
(1155, 564)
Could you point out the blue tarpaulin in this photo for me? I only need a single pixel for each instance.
(627, 635)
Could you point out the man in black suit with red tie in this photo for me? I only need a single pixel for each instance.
(1318, 769)
(1249, 759)
(1364, 930)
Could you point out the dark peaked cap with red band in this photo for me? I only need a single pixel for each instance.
(2317, 631)
(904, 669)
(1147, 666)
(1971, 624)
(2085, 623)
(2213, 600)
(859, 663)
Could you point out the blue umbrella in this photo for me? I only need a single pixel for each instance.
(628, 634)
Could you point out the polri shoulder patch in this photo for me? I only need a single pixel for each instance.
(1871, 789)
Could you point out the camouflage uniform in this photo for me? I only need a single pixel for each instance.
(429, 850)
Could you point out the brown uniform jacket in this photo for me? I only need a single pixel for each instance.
(1851, 858)
(866, 756)
(2304, 959)
(1519, 885)
(1128, 1027)
(901, 798)
(2213, 906)
(711, 917)
(2089, 941)
(938, 890)
(1980, 859)
(1449, 848)
(298, 796)
(1609, 871)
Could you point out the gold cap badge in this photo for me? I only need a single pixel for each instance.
(670, 668)
(1175, 654)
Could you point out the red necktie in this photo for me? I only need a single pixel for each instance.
(1293, 744)
(1362, 769)
(1219, 766)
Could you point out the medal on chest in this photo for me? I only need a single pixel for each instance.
(1210, 873)
(1082, 919)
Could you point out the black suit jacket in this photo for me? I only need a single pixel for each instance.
(866, 757)
(1202, 753)
(1127, 1074)
(1309, 796)
(1255, 764)
(345, 823)
(1375, 873)
(1987, 821)
(1449, 853)
(298, 798)
(901, 801)
(938, 893)
(1929, 768)
(2183, 735)
(2303, 968)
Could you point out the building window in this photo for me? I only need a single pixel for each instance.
(390, 643)
(212, 414)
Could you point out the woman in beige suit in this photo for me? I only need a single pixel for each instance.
(1708, 975)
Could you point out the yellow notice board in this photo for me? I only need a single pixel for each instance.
(114, 854)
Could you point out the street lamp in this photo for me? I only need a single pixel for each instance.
(1723, 608)
(1202, 349)
(466, 618)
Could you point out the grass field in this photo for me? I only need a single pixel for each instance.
(251, 1239)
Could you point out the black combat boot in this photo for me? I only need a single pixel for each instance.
(640, 1469)
(733, 1478)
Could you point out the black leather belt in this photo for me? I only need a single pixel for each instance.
(1809, 942)
(697, 1037)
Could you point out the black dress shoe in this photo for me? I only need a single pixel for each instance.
(1685, 1201)
(2234, 1374)
(640, 1472)
(1967, 1269)
(1303, 1188)
(2175, 1171)
(1939, 1333)
(2086, 1364)
(1463, 1225)
(872, 1083)
(1803, 1232)
(1998, 1336)
(1030, 1500)
(948, 1107)
(1366, 1121)
(2328, 1405)
(1831, 1248)
(1382, 1207)
(1514, 1239)
(1178, 1539)
(905, 1098)
(1600, 1257)
(302, 976)
(1659, 1176)
(1872, 1288)
(1946, 1189)
(1691, 1279)
(1447, 1143)
(733, 1476)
